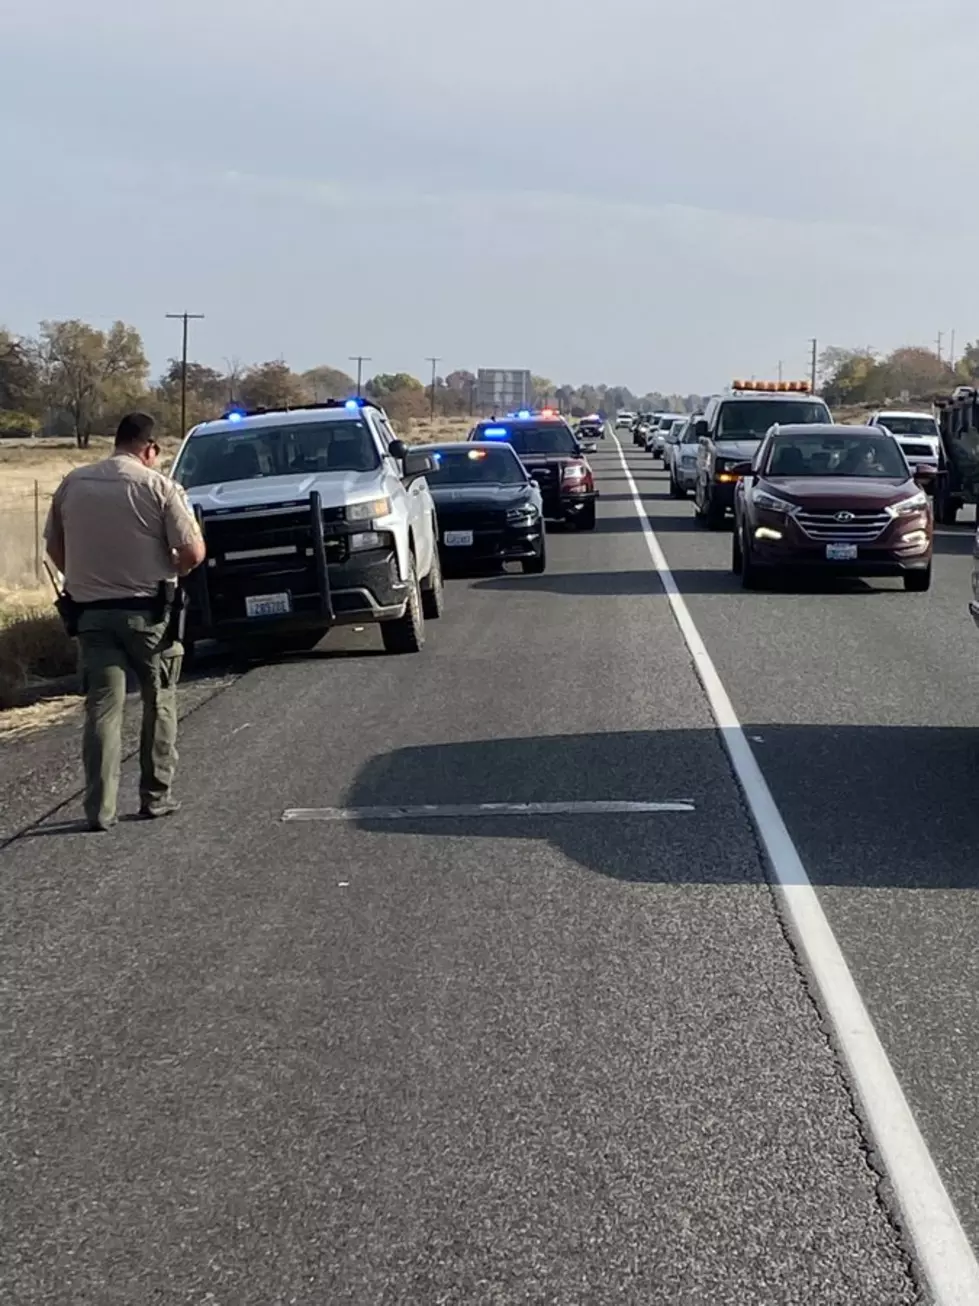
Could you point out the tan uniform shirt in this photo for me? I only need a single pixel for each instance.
(118, 520)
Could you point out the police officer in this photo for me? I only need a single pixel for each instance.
(121, 532)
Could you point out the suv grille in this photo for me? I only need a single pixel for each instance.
(919, 450)
(856, 527)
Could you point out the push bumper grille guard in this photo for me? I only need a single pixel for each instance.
(303, 530)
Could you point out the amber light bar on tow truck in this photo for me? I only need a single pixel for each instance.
(775, 387)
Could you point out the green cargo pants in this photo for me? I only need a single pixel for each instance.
(112, 642)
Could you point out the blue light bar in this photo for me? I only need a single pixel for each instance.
(234, 415)
(353, 403)
(495, 433)
(523, 413)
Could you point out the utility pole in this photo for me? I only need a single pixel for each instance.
(951, 351)
(780, 371)
(938, 344)
(185, 318)
(434, 362)
(815, 352)
(360, 360)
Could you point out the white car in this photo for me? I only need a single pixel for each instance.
(681, 459)
(313, 517)
(661, 433)
(916, 433)
(624, 419)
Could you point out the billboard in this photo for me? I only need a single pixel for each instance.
(503, 391)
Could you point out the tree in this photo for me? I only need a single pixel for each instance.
(88, 373)
(20, 380)
(919, 372)
(324, 383)
(207, 393)
(271, 385)
(968, 365)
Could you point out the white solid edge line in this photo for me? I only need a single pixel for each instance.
(944, 1252)
(437, 810)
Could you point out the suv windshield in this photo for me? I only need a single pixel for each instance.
(751, 419)
(534, 437)
(908, 425)
(467, 466)
(836, 455)
(301, 448)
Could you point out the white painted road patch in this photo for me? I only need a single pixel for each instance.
(441, 810)
(932, 1223)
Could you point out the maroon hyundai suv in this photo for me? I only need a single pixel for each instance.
(837, 498)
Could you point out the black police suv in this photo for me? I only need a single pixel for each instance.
(551, 453)
(489, 509)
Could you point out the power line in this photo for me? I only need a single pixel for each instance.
(360, 360)
(185, 318)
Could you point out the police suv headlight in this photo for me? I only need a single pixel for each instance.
(362, 540)
(908, 507)
(370, 510)
(771, 503)
(525, 515)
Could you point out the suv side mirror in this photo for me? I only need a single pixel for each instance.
(398, 449)
(742, 469)
(700, 429)
(418, 463)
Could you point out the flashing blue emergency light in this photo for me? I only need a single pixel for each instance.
(234, 415)
(495, 433)
(354, 403)
(523, 413)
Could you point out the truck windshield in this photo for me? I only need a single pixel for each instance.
(535, 437)
(836, 455)
(464, 465)
(288, 450)
(908, 425)
(751, 419)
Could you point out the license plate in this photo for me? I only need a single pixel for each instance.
(458, 539)
(841, 552)
(268, 605)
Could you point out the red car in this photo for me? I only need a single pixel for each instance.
(839, 499)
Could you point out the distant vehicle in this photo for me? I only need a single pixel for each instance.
(831, 498)
(656, 442)
(549, 449)
(624, 419)
(918, 436)
(589, 431)
(680, 457)
(732, 428)
(489, 508)
(313, 517)
(640, 428)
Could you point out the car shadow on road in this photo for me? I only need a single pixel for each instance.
(871, 806)
(954, 542)
(609, 584)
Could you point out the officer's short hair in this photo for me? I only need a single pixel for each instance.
(135, 431)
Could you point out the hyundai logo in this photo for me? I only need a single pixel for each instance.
(844, 516)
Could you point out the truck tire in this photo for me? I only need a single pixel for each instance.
(407, 634)
(585, 520)
(537, 565)
(713, 515)
(433, 590)
(918, 582)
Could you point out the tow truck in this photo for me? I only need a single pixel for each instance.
(732, 429)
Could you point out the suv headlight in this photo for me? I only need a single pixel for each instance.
(909, 507)
(369, 510)
(524, 515)
(772, 503)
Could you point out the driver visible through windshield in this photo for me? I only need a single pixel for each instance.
(300, 449)
(836, 455)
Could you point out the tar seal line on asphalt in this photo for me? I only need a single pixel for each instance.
(480, 809)
(945, 1256)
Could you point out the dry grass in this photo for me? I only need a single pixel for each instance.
(22, 722)
(33, 644)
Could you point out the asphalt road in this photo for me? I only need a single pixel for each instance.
(508, 1059)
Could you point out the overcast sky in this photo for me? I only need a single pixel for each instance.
(664, 195)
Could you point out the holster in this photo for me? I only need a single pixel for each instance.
(69, 611)
(175, 604)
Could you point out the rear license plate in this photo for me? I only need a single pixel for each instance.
(268, 605)
(841, 552)
(458, 539)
